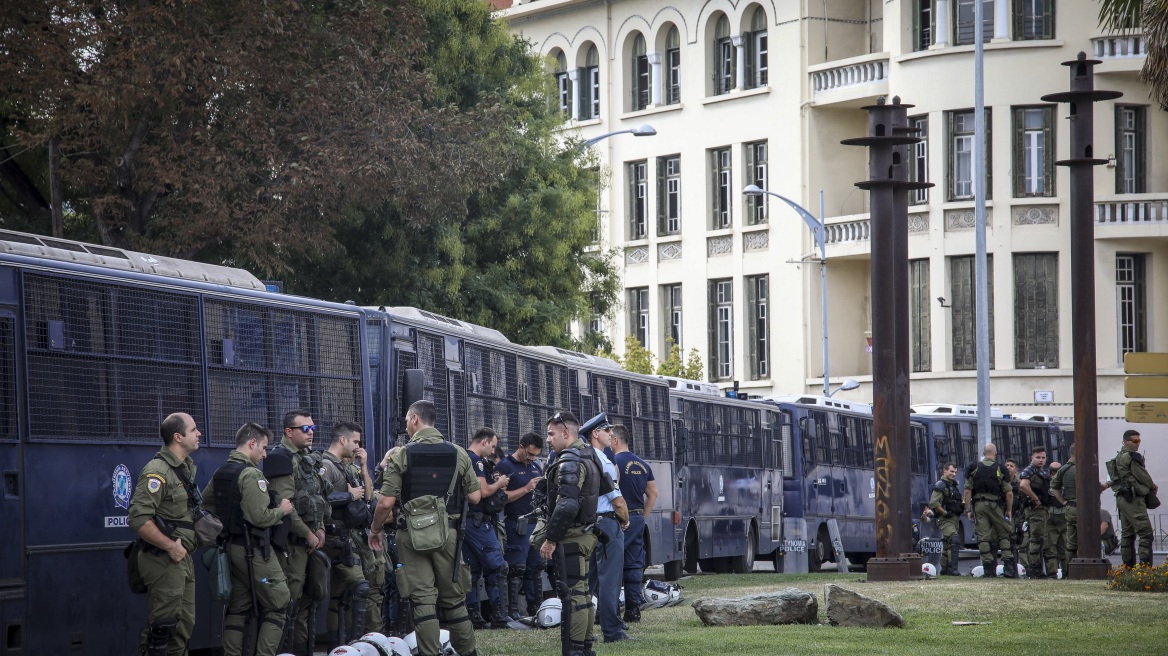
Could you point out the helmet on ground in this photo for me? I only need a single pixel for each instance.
(549, 613)
(412, 642)
(1059, 573)
(674, 595)
(386, 646)
(344, 650)
(444, 640)
(929, 570)
(656, 594)
(978, 571)
(361, 648)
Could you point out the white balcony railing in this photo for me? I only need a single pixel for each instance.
(1132, 209)
(1119, 46)
(848, 231)
(851, 74)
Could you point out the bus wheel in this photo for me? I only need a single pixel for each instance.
(691, 553)
(744, 564)
(822, 552)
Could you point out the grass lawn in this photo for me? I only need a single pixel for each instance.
(1025, 617)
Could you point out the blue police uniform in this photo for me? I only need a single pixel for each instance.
(604, 578)
(635, 475)
(523, 562)
(481, 544)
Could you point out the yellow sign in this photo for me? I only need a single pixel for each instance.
(1144, 387)
(1147, 412)
(1145, 363)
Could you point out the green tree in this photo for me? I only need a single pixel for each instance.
(1150, 16)
(693, 365)
(638, 359)
(672, 364)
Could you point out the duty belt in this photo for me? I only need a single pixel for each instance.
(636, 511)
(610, 514)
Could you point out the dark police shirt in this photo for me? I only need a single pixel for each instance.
(635, 475)
(479, 468)
(521, 475)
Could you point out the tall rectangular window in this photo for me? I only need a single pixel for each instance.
(1033, 19)
(1036, 326)
(1130, 295)
(721, 330)
(1034, 151)
(564, 84)
(724, 79)
(920, 306)
(638, 199)
(669, 195)
(756, 173)
(962, 272)
(589, 76)
(1130, 150)
(756, 59)
(673, 67)
(963, 16)
(919, 171)
(721, 192)
(641, 88)
(757, 304)
(639, 315)
(671, 299)
(922, 24)
(961, 147)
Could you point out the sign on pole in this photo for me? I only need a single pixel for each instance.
(1146, 412)
(1145, 363)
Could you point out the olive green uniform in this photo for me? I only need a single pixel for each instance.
(266, 576)
(948, 520)
(426, 577)
(170, 586)
(346, 574)
(372, 563)
(1043, 558)
(1064, 482)
(308, 515)
(990, 523)
(1133, 512)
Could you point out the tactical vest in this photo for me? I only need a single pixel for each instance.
(1066, 477)
(228, 498)
(987, 478)
(355, 513)
(309, 499)
(493, 504)
(429, 470)
(951, 499)
(589, 491)
(1039, 484)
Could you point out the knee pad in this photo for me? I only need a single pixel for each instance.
(517, 572)
(503, 570)
(539, 569)
(163, 628)
(361, 590)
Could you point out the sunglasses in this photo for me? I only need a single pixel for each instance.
(557, 418)
(310, 428)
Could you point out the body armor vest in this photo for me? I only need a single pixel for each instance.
(429, 470)
(309, 499)
(589, 490)
(1039, 484)
(951, 498)
(1068, 482)
(493, 504)
(228, 498)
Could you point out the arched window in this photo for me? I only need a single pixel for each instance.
(590, 85)
(640, 75)
(673, 67)
(563, 83)
(724, 57)
(756, 50)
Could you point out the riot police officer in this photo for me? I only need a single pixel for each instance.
(293, 471)
(482, 543)
(240, 495)
(947, 505)
(574, 484)
(986, 483)
(430, 473)
(348, 589)
(1131, 485)
(160, 513)
(372, 562)
(524, 565)
(1062, 488)
(1034, 483)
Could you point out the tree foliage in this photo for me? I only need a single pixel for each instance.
(396, 152)
(1150, 17)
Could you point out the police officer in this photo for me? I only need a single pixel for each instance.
(1131, 484)
(986, 482)
(1034, 483)
(1056, 524)
(293, 471)
(606, 576)
(348, 589)
(574, 484)
(160, 513)
(639, 490)
(1062, 488)
(524, 565)
(428, 466)
(239, 494)
(372, 562)
(1017, 515)
(947, 505)
(483, 552)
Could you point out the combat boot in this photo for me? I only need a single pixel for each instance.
(515, 597)
(576, 648)
(476, 618)
(1009, 569)
(498, 620)
(632, 614)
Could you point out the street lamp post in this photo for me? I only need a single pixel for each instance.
(817, 231)
(641, 131)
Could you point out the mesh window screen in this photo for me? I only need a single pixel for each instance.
(432, 361)
(107, 362)
(373, 345)
(8, 426)
(492, 391)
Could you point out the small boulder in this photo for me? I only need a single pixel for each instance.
(790, 606)
(847, 608)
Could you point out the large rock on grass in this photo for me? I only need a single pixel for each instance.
(790, 606)
(847, 608)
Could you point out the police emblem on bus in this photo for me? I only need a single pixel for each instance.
(121, 487)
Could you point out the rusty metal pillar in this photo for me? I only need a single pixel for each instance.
(888, 184)
(1081, 98)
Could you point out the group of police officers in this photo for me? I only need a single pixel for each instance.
(1033, 513)
(310, 528)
